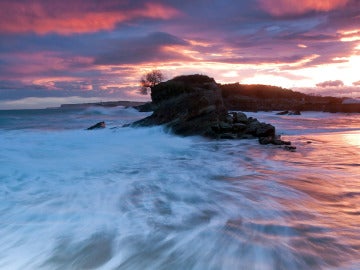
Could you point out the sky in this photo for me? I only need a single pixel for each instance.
(70, 51)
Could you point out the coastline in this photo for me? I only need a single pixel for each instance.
(124, 103)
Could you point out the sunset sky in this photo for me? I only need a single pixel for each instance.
(54, 52)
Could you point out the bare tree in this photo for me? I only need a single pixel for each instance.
(149, 80)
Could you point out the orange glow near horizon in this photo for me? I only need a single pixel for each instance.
(198, 43)
(341, 69)
(353, 139)
(307, 76)
(349, 35)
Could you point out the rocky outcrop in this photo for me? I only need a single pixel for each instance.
(239, 126)
(296, 112)
(146, 107)
(193, 105)
(187, 107)
(97, 126)
(102, 104)
(257, 97)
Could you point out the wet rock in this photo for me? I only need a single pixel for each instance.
(283, 113)
(188, 107)
(259, 129)
(265, 129)
(225, 127)
(193, 105)
(231, 136)
(238, 127)
(294, 113)
(290, 148)
(266, 140)
(97, 126)
(147, 107)
(239, 117)
(229, 119)
(276, 140)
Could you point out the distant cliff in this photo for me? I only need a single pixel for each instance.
(258, 97)
(103, 104)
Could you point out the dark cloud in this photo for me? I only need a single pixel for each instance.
(337, 83)
(153, 47)
(262, 60)
(301, 37)
(84, 45)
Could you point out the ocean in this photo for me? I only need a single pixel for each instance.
(142, 198)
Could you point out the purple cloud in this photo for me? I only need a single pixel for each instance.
(154, 47)
(337, 83)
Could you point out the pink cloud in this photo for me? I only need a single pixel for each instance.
(40, 18)
(296, 7)
(337, 83)
(35, 64)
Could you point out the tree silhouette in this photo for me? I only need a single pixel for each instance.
(149, 80)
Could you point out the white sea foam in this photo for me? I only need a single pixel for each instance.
(140, 198)
(98, 110)
(310, 122)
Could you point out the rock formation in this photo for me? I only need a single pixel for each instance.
(97, 126)
(193, 105)
(296, 112)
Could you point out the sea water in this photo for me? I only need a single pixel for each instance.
(142, 198)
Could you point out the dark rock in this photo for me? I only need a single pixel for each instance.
(266, 140)
(147, 107)
(228, 136)
(193, 105)
(286, 143)
(188, 108)
(294, 113)
(246, 136)
(276, 140)
(225, 127)
(265, 129)
(97, 126)
(259, 129)
(252, 126)
(238, 127)
(229, 119)
(290, 148)
(183, 85)
(281, 142)
(239, 117)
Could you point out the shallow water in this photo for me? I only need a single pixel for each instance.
(127, 198)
